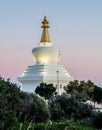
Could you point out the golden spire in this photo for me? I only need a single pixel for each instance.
(45, 34)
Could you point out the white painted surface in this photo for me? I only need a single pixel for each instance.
(45, 69)
(47, 73)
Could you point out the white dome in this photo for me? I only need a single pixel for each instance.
(45, 55)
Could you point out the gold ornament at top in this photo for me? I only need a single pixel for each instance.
(45, 23)
(45, 34)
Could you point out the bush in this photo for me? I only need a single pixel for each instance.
(17, 106)
(9, 100)
(97, 120)
(72, 125)
(54, 126)
(64, 107)
(42, 126)
(32, 108)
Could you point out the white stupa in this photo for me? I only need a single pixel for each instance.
(46, 68)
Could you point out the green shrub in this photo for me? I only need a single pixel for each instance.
(72, 125)
(97, 120)
(42, 126)
(54, 126)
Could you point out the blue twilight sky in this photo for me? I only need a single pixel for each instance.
(75, 28)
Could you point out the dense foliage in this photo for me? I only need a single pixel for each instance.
(97, 120)
(21, 110)
(17, 106)
(9, 99)
(44, 126)
(32, 108)
(84, 91)
(45, 90)
(65, 107)
(70, 125)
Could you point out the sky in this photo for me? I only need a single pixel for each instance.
(75, 29)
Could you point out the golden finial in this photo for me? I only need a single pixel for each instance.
(45, 34)
(45, 23)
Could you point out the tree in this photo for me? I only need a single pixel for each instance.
(16, 106)
(66, 107)
(45, 90)
(32, 108)
(97, 94)
(9, 100)
(94, 92)
(77, 89)
(56, 111)
(84, 91)
(73, 85)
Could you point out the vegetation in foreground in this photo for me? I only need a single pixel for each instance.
(69, 111)
(70, 125)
